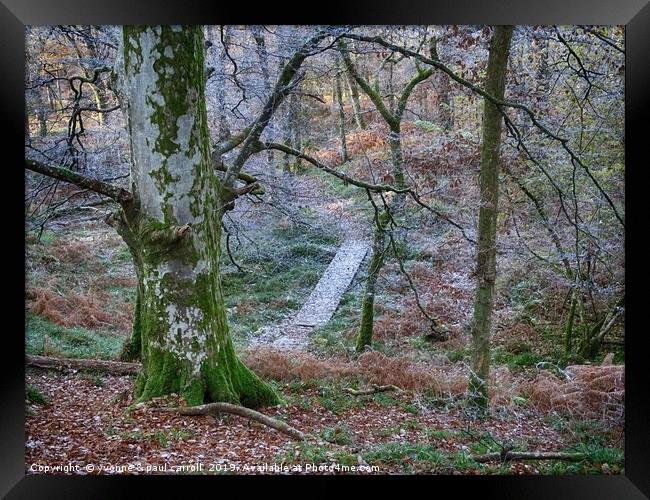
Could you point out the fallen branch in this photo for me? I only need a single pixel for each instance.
(528, 455)
(113, 367)
(374, 388)
(121, 368)
(214, 408)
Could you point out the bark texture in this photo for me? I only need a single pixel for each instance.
(364, 336)
(487, 225)
(339, 97)
(173, 227)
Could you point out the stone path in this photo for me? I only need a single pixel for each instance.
(321, 304)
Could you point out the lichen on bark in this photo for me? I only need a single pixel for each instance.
(174, 230)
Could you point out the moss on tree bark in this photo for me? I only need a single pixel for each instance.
(396, 207)
(489, 187)
(173, 228)
(364, 335)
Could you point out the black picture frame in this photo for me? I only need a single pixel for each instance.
(16, 14)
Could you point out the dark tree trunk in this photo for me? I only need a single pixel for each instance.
(263, 59)
(339, 98)
(487, 226)
(364, 335)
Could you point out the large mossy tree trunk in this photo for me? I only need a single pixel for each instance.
(173, 228)
(487, 225)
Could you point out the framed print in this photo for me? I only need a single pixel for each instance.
(378, 241)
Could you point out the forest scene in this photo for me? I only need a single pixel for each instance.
(358, 250)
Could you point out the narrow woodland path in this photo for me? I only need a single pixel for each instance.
(323, 301)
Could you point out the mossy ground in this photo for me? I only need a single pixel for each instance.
(45, 338)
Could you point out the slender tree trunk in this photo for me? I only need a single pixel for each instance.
(41, 112)
(568, 271)
(398, 203)
(223, 130)
(396, 208)
(99, 103)
(392, 101)
(28, 137)
(263, 59)
(99, 89)
(446, 112)
(333, 103)
(356, 102)
(594, 337)
(174, 226)
(292, 134)
(392, 115)
(28, 94)
(288, 134)
(339, 98)
(91, 50)
(364, 336)
(568, 327)
(542, 63)
(489, 187)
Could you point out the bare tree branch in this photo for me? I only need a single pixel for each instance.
(119, 194)
(500, 103)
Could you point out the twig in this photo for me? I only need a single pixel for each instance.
(113, 367)
(374, 388)
(214, 408)
(529, 455)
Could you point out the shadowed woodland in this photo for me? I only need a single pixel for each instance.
(385, 250)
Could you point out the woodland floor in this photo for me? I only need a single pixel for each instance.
(87, 423)
(80, 301)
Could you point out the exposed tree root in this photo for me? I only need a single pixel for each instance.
(114, 367)
(372, 390)
(528, 455)
(215, 408)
